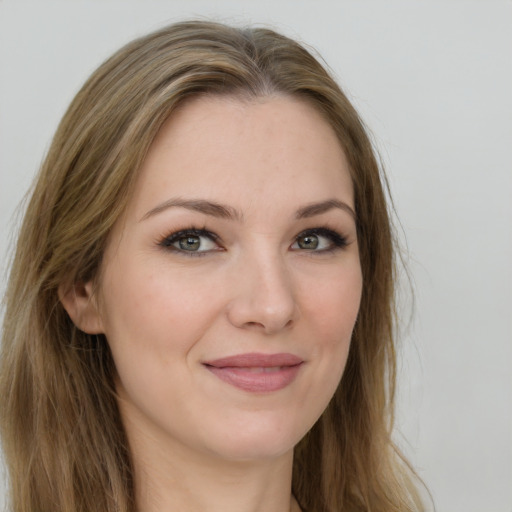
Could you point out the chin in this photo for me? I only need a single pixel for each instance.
(261, 440)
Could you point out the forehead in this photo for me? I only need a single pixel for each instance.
(238, 151)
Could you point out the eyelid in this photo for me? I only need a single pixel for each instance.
(337, 240)
(167, 241)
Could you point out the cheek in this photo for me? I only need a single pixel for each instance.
(154, 320)
(334, 305)
(333, 310)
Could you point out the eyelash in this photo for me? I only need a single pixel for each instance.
(169, 240)
(336, 240)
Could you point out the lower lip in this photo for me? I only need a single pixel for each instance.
(257, 380)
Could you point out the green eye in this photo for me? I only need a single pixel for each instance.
(189, 243)
(307, 242)
(319, 240)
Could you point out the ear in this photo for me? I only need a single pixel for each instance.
(81, 305)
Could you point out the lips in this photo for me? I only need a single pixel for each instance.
(257, 373)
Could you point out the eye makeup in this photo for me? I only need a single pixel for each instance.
(191, 242)
(320, 239)
(195, 241)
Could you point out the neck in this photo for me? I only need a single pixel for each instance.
(178, 479)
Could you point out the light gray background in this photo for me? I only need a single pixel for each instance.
(433, 80)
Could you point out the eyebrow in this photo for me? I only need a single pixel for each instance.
(318, 208)
(227, 212)
(198, 205)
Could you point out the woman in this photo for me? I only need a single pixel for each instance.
(200, 309)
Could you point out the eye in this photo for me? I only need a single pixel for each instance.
(319, 240)
(191, 241)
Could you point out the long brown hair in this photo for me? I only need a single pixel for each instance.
(63, 438)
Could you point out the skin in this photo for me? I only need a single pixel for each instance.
(199, 443)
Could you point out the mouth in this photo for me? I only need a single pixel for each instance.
(257, 373)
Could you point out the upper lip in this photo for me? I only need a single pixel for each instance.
(256, 360)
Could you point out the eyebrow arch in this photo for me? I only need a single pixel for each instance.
(318, 208)
(197, 205)
(227, 212)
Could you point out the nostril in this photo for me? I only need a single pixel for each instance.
(255, 325)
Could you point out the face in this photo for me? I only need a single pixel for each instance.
(230, 288)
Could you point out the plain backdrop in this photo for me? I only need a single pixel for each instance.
(433, 81)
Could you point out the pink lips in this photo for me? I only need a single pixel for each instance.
(255, 372)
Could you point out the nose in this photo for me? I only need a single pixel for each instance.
(263, 295)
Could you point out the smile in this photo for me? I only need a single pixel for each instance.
(257, 373)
